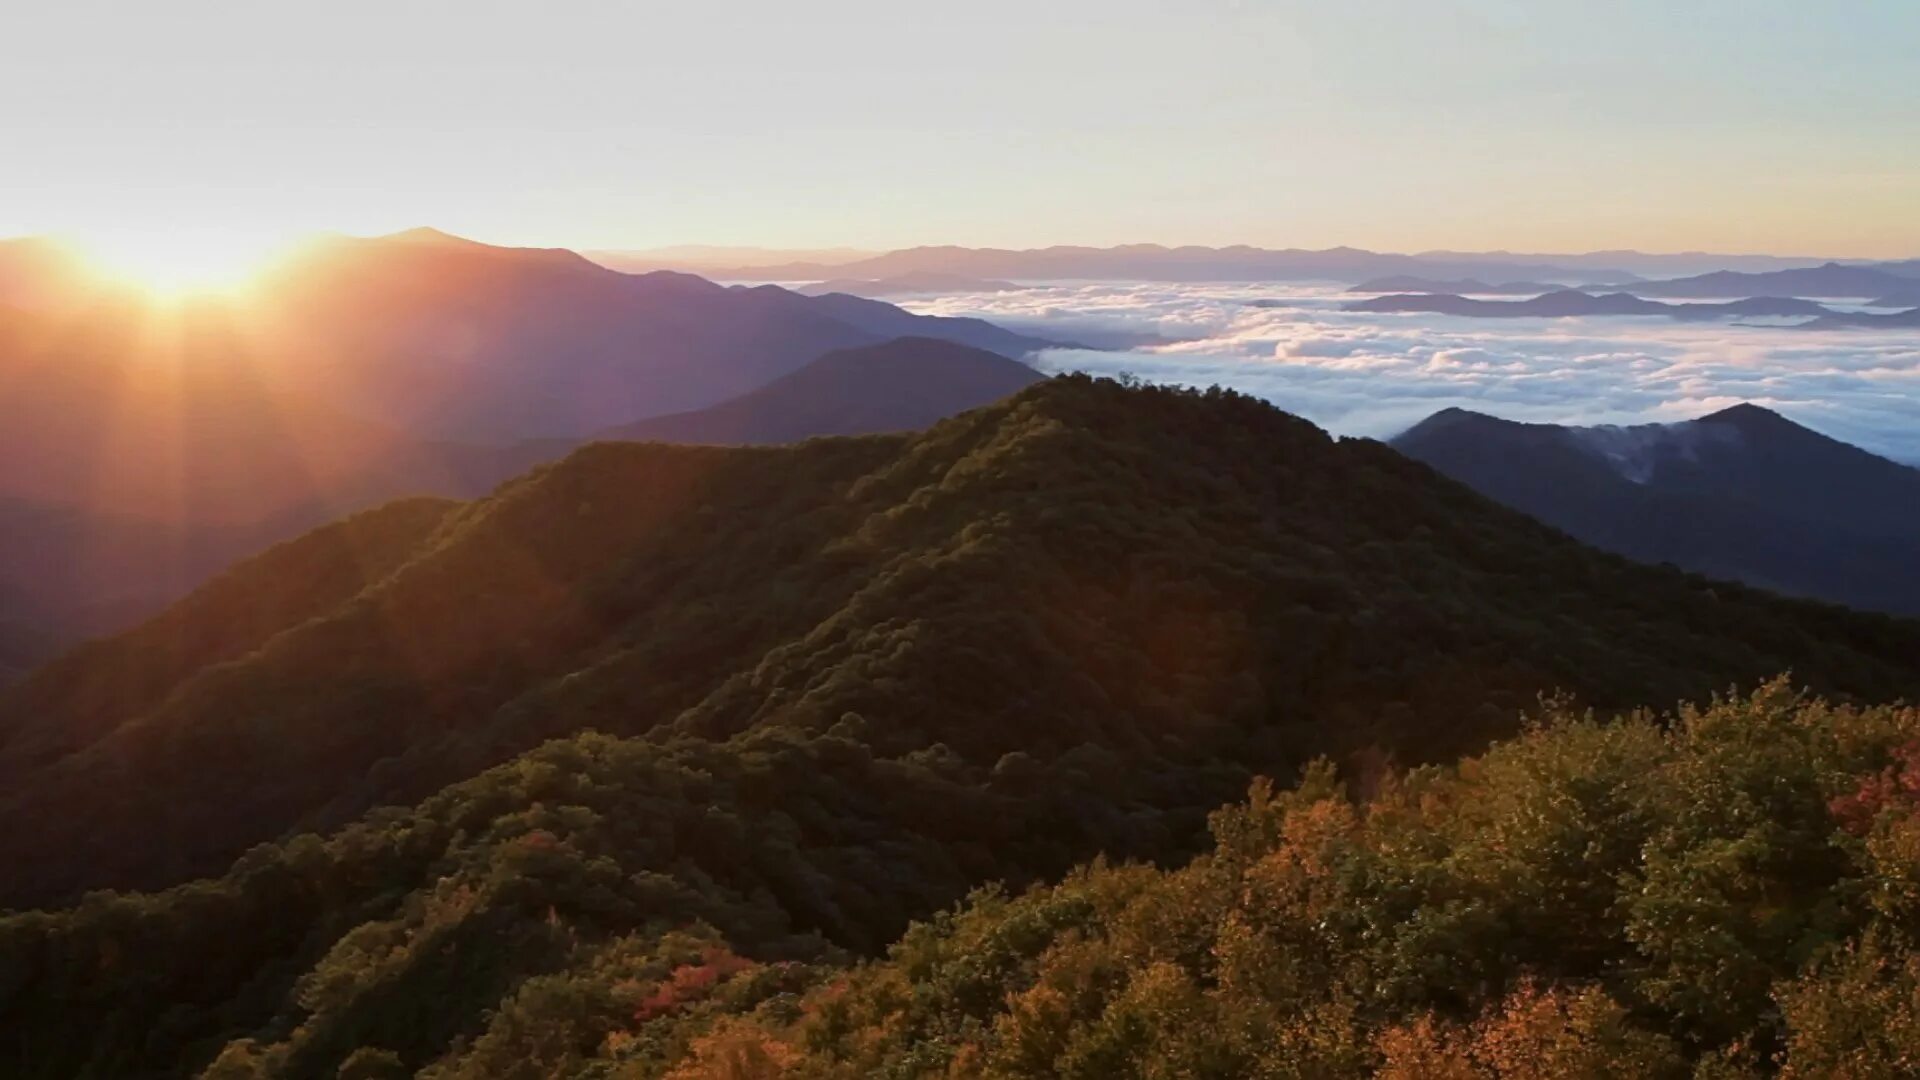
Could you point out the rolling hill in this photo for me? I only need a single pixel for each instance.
(454, 339)
(1743, 493)
(1571, 303)
(1409, 283)
(908, 285)
(902, 385)
(834, 686)
(1827, 281)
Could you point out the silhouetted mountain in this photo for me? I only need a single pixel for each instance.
(1664, 264)
(155, 443)
(1744, 493)
(1153, 262)
(1568, 303)
(1829, 280)
(1406, 283)
(184, 418)
(1240, 263)
(838, 685)
(1908, 268)
(443, 336)
(23, 644)
(902, 385)
(1841, 320)
(908, 285)
(1899, 298)
(707, 258)
(37, 273)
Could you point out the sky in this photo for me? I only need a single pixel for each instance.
(1535, 125)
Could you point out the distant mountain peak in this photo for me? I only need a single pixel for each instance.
(427, 234)
(1746, 413)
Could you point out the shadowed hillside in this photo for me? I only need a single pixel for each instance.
(901, 385)
(836, 686)
(1743, 493)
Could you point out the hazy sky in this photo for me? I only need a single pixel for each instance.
(1751, 125)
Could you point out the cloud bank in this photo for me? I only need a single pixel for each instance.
(1370, 374)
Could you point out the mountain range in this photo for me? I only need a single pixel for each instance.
(909, 285)
(1153, 262)
(1841, 320)
(1827, 281)
(143, 446)
(1742, 494)
(1568, 303)
(1409, 283)
(438, 335)
(443, 770)
(902, 385)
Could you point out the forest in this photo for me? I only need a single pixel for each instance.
(943, 754)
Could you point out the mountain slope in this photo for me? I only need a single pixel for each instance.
(1743, 493)
(144, 445)
(902, 385)
(838, 684)
(1828, 280)
(77, 697)
(1158, 574)
(448, 337)
(1841, 320)
(1557, 907)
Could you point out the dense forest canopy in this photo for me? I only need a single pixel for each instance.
(620, 768)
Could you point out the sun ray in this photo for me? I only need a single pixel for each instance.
(177, 262)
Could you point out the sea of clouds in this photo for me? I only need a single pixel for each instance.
(1369, 374)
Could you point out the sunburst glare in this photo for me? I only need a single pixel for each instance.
(174, 262)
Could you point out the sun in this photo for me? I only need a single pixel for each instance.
(179, 262)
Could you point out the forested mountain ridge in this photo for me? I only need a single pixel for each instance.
(71, 700)
(838, 685)
(1742, 493)
(1727, 891)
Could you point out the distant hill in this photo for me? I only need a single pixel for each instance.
(1660, 264)
(901, 385)
(1900, 298)
(1827, 281)
(1841, 320)
(908, 285)
(1154, 262)
(1406, 283)
(23, 644)
(705, 258)
(123, 411)
(446, 337)
(1568, 303)
(1744, 493)
(38, 273)
(1909, 268)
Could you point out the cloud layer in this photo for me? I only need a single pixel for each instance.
(1376, 374)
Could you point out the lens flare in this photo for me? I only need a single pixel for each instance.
(179, 262)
